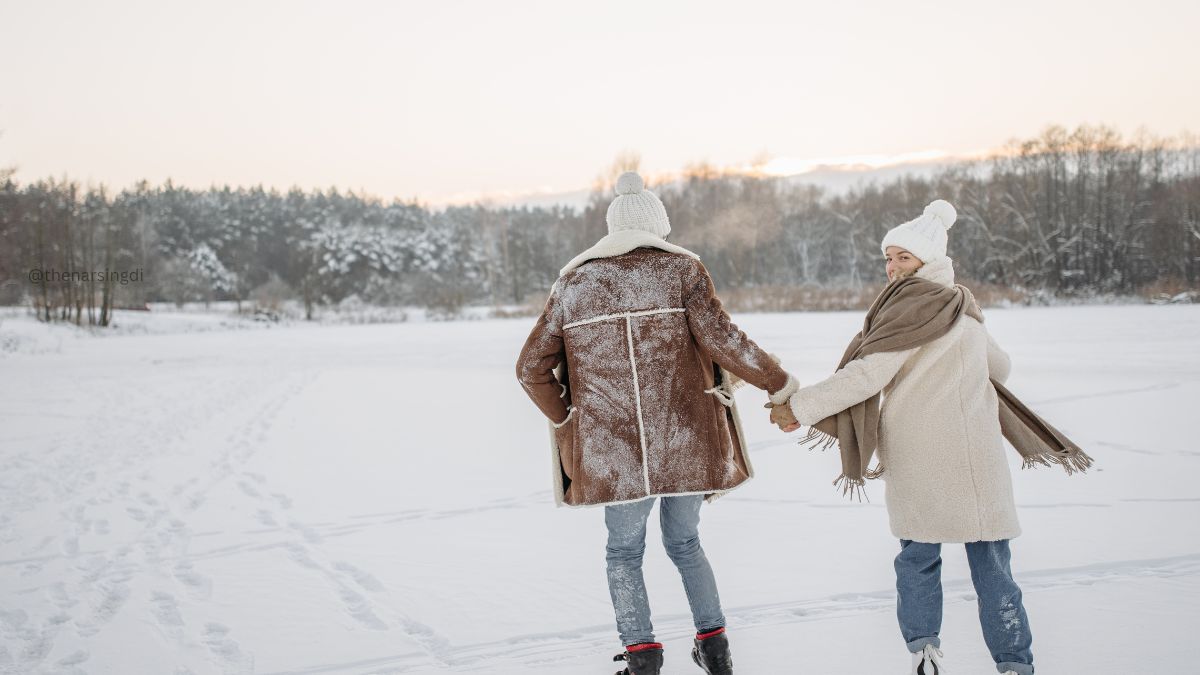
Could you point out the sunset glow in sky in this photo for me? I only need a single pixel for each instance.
(446, 101)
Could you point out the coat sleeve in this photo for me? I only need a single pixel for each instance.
(999, 364)
(543, 351)
(716, 333)
(858, 381)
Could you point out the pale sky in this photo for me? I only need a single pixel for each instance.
(444, 100)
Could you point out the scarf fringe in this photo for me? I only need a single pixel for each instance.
(1074, 462)
(854, 488)
(817, 440)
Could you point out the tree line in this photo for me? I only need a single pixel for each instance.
(1067, 213)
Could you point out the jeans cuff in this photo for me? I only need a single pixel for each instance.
(1018, 668)
(629, 642)
(917, 645)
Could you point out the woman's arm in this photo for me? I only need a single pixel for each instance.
(858, 381)
(999, 364)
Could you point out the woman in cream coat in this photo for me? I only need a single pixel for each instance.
(944, 462)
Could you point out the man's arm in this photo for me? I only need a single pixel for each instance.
(726, 344)
(543, 351)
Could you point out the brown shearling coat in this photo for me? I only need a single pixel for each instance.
(624, 361)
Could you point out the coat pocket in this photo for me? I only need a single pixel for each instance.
(568, 455)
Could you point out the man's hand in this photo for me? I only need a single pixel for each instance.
(782, 417)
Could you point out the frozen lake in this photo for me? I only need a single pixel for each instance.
(375, 499)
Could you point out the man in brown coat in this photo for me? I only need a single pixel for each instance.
(633, 362)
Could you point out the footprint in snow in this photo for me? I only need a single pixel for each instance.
(358, 607)
(111, 601)
(361, 577)
(265, 517)
(196, 583)
(299, 554)
(310, 535)
(57, 594)
(166, 610)
(216, 636)
(70, 546)
(74, 659)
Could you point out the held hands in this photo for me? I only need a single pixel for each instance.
(782, 417)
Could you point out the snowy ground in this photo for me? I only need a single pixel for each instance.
(375, 499)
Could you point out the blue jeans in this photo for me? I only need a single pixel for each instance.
(1001, 614)
(680, 517)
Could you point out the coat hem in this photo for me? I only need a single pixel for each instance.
(709, 494)
(997, 536)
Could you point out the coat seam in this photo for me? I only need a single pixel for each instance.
(967, 436)
(637, 398)
(623, 315)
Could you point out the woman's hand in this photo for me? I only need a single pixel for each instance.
(782, 417)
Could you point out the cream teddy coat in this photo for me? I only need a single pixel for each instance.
(945, 467)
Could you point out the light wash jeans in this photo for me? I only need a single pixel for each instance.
(1001, 614)
(680, 517)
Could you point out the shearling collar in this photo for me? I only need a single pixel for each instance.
(941, 271)
(623, 241)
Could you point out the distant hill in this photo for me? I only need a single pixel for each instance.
(835, 178)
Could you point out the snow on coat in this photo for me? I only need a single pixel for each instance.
(945, 466)
(642, 404)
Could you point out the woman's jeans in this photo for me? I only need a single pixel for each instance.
(1001, 614)
(680, 518)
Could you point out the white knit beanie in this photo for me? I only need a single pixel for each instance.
(636, 208)
(924, 237)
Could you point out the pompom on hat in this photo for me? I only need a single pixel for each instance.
(926, 236)
(636, 208)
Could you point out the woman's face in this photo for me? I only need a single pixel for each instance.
(900, 263)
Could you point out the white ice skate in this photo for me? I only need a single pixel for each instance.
(928, 661)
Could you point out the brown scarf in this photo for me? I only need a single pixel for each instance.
(908, 313)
